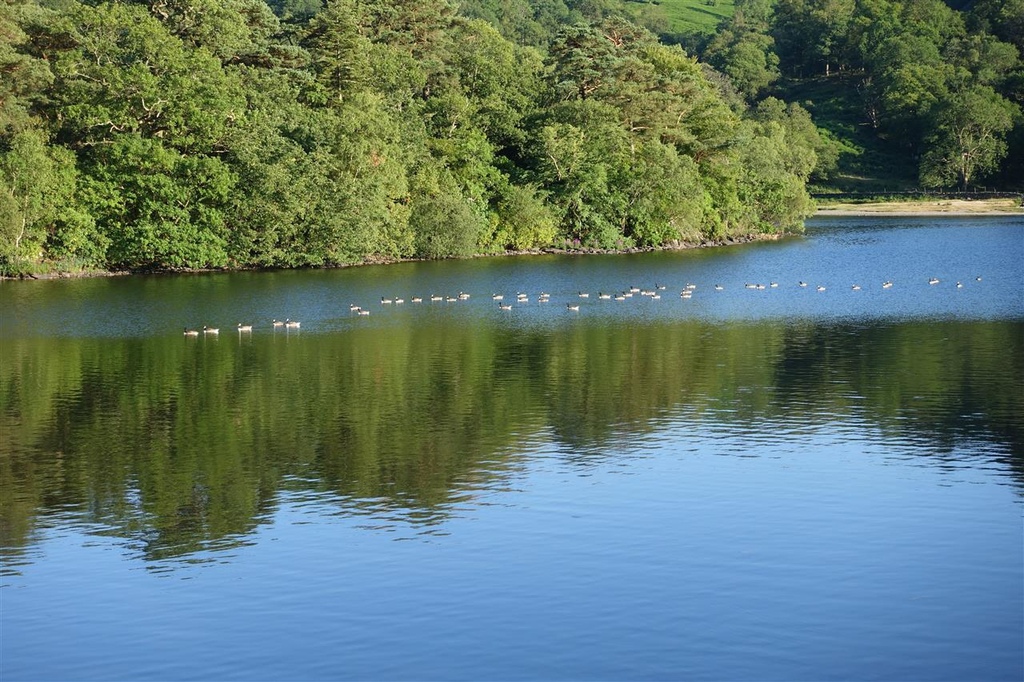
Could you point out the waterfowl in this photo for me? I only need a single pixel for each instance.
(497, 297)
(620, 297)
(210, 330)
(748, 285)
(604, 296)
(463, 296)
(417, 299)
(801, 284)
(435, 297)
(244, 327)
(887, 284)
(820, 288)
(385, 301)
(278, 323)
(856, 287)
(291, 324)
(354, 308)
(362, 312)
(504, 306)
(634, 290)
(773, 285)
(191, 332)
(719, 287)
(659, 287)
(978, 278)
(574, 307)
(584, 294)
(933, 280)
(959, 285)
(399, 301)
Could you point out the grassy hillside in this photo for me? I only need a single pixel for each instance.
(694, 16)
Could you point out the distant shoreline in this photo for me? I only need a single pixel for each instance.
(908, 209)
(923, 208)
(576, 251)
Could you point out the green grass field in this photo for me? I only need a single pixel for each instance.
(694, 16)
(701, 16)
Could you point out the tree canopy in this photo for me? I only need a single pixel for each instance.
(154, 134)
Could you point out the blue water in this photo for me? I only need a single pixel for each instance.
(777, 484)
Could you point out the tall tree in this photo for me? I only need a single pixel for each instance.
(969, 139)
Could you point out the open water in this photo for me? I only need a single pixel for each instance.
(782, 483)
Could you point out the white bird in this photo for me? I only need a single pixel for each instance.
(244, 327)
(210, 330)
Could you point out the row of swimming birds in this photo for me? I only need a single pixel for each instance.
(205, 330)
(521, 298)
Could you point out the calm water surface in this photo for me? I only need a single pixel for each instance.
(748, 484)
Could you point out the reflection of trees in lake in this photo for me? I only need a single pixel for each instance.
(182, 446)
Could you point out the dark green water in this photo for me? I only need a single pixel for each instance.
(777, 483)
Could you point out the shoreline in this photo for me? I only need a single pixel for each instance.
(550, 251)
(950, 208)
(941, 208)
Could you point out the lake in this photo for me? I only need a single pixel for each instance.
(785, 482)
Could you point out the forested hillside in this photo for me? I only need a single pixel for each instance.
(930, 91)
(154, 134)
(216, 133)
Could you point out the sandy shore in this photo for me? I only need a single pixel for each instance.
(937, 207)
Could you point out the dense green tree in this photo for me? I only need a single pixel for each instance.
(747, 58)
(811, 34)
(157, 207)
(523, 220)
(443, 219)
(37, 205)
(1002, 18)
(233, 30)
(743, 50)
(123, 73)
(969, 139)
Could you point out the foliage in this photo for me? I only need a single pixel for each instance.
(150, 134)
(968, 138)
(913, 63)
